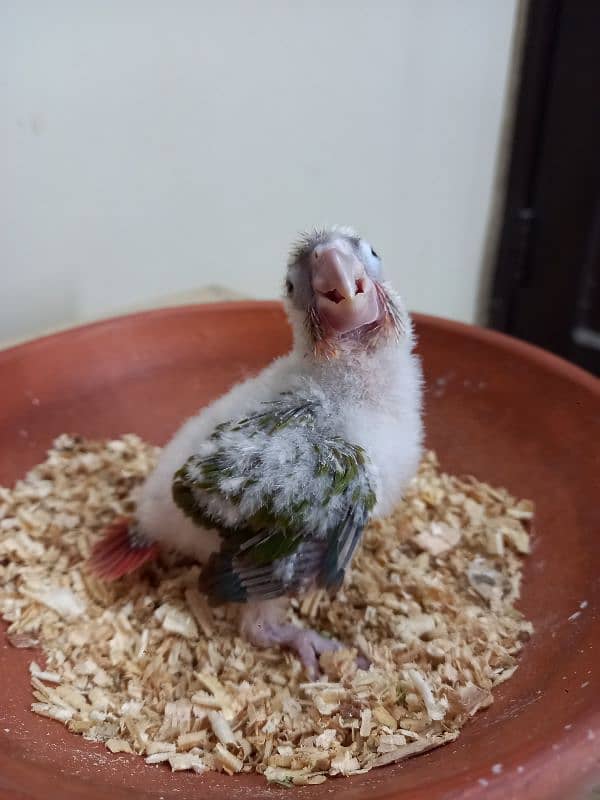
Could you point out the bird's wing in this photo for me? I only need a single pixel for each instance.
(290, 501)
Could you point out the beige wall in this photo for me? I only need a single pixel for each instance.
(148, 148)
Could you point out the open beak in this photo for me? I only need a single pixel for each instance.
(346, 297)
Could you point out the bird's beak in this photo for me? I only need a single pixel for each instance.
(346, 297)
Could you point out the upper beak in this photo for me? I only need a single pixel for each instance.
(345, 295)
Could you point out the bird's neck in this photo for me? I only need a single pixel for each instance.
(353, 374)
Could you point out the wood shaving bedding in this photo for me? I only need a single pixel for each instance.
(146, 666)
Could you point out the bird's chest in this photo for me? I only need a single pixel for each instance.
(392, 442)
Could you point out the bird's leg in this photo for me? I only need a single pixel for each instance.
(264, 625)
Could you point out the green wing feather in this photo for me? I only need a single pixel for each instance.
(266, 539)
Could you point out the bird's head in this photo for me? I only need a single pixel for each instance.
(335, 293)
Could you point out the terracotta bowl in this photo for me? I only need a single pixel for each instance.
(500, 409)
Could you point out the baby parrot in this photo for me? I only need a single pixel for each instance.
(271, 486)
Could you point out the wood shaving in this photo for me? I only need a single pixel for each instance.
(438, 538)
(148, 667)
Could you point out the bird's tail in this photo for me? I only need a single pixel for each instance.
(120, 551)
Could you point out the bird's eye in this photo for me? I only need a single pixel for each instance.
(374, 254)
(289, 286)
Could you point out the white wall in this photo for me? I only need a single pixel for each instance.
(151, 147)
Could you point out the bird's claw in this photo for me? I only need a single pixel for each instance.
(309, 645)
(362, 662)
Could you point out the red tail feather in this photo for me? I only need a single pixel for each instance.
(119, 552)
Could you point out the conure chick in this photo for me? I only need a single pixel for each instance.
(271, 486)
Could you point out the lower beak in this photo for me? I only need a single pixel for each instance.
(346, 297)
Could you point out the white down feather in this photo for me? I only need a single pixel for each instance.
(372, 399)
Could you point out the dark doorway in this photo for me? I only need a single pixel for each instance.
(547, 280)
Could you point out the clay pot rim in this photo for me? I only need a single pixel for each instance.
(531, 352)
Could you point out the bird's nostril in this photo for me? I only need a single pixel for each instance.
(359, 288)
(334, 296)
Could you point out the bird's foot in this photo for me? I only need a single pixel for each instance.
(309, 645)
(264, 625)
(306, 643)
